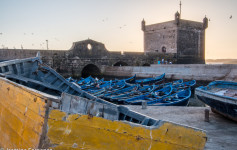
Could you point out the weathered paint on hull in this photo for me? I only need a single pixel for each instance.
(22, 115)
(219, 104)
(67, 131)
(26, 122)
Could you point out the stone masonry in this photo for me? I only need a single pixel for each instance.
(182, 38)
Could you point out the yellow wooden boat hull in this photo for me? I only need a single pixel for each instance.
(27, 120)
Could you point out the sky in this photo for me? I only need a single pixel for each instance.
(116, 23)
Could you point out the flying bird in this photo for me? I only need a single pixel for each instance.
(231, 17)
(106, 19)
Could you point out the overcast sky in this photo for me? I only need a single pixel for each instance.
(116, 23)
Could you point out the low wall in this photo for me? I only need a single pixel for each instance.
(205, 72)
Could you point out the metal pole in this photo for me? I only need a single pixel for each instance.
(144, 105)
(207, 115)
(47, 44)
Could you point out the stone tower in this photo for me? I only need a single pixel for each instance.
(184, 39)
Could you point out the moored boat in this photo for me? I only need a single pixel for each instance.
(131, 79)
(221, 96)
(150, 80)
(180, 98)
(139, 90)
(86, 80)
(137, 100)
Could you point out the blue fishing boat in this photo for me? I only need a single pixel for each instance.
(177, 82)
(221, 96)
(92, 85)
(121, 91)
(86, 80)
(188, 84)
(159, 91)
(131, 79)
(114, 86)
(180, 98)
(150, 80)
(151, 96)
(139, 90)
(97, 87)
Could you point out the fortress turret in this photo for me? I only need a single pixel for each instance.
(177, 18)
(143, 25)
(205, 22)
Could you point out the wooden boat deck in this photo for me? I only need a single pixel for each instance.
(224, 92)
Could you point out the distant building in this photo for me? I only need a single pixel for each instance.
(184, 40)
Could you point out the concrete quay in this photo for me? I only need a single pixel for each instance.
(221, 132)
(203, 72)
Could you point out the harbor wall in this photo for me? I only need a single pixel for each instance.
(203, 72)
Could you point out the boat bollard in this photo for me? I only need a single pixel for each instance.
(207, 115)
(144, 105)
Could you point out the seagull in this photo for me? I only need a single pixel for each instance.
(231, 17)
(106, 19)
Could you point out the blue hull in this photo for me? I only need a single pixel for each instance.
(150, 80)
(215, 95)
(180, 98)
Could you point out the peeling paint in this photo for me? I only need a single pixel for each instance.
(99, 133)
(20, 122)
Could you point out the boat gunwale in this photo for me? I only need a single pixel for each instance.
(204, 93)
(174, 102)
(201, 89)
